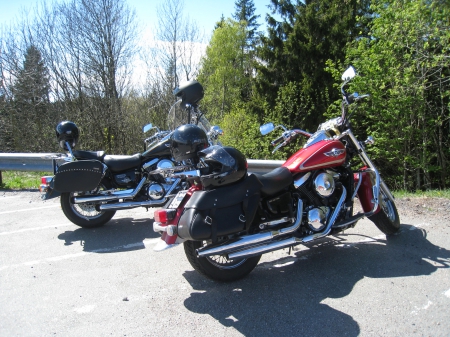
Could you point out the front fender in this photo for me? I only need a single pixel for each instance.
(365, 191)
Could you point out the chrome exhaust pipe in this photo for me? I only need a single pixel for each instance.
(128, 194)
(254, 239)
(270, 247)
(130, 205)
(292, 241)
(110, 197)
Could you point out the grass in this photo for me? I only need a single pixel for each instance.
(18, 180)
(15, 180)
(423, 194)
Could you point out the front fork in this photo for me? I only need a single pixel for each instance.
(369, 180)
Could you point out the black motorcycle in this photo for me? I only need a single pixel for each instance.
(93, 185)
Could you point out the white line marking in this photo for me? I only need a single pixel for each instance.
(29, 209)
(144, 243)
(35, 229)
(447, 293)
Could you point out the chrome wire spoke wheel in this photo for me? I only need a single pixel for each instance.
(87, 210)
(222, 262)
(386, 206)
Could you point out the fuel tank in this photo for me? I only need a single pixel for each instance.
(323, 154)
(159, 149)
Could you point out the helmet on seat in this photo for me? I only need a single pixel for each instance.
(186, 141)
(227, 165)
(190, 92)
(67, 131)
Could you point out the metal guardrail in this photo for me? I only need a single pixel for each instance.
(42, 162)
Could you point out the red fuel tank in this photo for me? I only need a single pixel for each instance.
(326, 153)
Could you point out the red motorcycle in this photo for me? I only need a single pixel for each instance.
(229, 218)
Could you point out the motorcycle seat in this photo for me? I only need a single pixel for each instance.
(91, 155)
(275, 181)
(117, 163)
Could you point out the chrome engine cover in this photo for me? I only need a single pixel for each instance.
(165, 164)
(324, 184)
(156, 191)
(317, 218)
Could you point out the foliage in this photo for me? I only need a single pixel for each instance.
(405, 68)
(223, 70)
(296, 49)
(245, 12)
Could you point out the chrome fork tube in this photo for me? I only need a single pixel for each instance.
(366, 160)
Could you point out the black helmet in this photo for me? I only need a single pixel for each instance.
(190, 92)
(186, 141)
(67, 132)
(227, 165)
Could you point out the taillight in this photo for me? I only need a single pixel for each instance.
(164, 215)
(45, 180)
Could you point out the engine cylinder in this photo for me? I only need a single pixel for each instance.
(156, 191)
(324, 184)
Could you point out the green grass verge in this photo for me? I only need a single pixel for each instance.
(18, 180)
(423, 194)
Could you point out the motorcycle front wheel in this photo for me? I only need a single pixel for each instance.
(218, 267)
(84, 215)
(387, 219)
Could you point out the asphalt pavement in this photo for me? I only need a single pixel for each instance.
(57, 279)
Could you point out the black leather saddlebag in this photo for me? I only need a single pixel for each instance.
(77, 176)
(222, 211)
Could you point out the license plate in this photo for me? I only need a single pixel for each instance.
(177, 200)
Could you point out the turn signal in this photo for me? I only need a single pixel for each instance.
(164, 215)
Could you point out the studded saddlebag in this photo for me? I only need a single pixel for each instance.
(222, 211)
(77, 176)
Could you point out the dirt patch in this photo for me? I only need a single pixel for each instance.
(434, 210)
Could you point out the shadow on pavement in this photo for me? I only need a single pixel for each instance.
(283, 298)
(117, 235)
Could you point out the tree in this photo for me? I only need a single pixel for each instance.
(245, 12)
(90, 46)
(405, 68)
(223, 69)
(173, 57)
(296, 49)
(30, 115)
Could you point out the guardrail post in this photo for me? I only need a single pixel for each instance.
(1, 181)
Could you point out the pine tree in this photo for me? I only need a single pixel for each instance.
(31, 101)
(245, 12)
(296, 50)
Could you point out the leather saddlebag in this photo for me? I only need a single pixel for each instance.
(78, 176)
(222, 211)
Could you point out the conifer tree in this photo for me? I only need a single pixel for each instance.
(30, 103)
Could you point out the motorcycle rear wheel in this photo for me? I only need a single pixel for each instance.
(84, 215)
(218, 267)
(387, 219)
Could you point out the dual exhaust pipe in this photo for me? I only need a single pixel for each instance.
(252, 245)
(124, 195)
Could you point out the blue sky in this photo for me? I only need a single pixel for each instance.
(204, 12)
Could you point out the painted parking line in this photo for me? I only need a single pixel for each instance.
(29, 209)
(24, 230)
(145, 243)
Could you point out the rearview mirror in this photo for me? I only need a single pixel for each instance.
(266, 128)
(147, 127)
(349, 74)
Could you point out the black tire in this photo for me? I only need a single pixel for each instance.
(387, 219)
(218, 268)
(84, 215)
